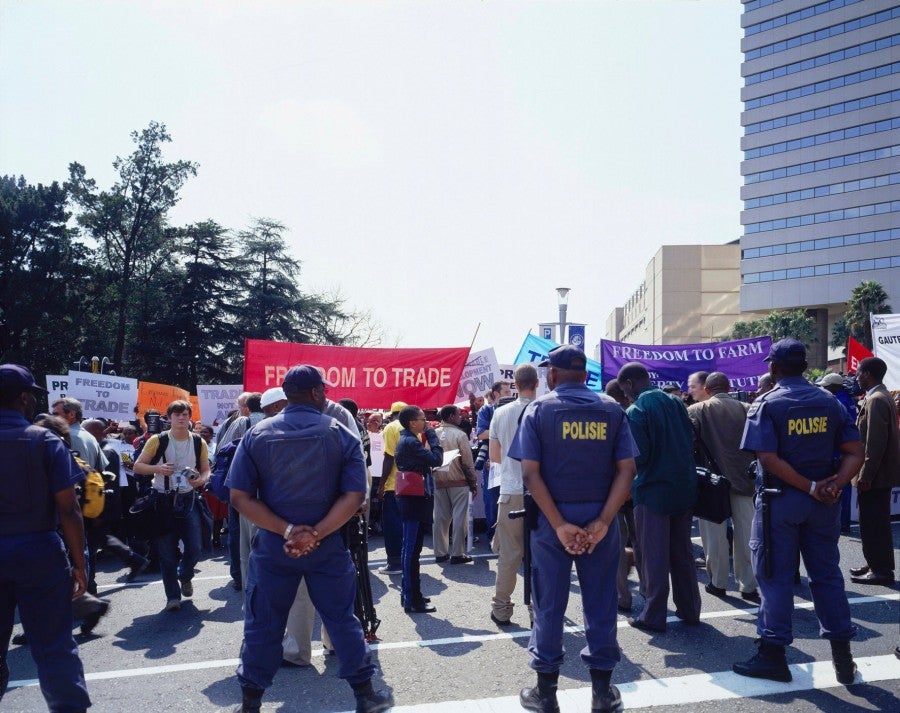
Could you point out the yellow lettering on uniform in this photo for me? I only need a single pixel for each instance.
(581, 431)
(808, 426)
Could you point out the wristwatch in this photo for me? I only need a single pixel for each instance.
(287, 531)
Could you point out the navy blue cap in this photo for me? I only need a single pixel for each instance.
(787, 350)
(13, 376)
(303, 376)
(566, 356)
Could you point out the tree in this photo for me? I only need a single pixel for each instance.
(188, 329)
(44, 277)
(779, 325)
(272, 306)
(128, 221)
(867, 298)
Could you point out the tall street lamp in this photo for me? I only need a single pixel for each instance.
(563, 299)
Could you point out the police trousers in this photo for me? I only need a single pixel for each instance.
(800, 522)
(271, 587)
(551, 575)
(35, 574)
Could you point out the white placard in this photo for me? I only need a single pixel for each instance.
(886, 346)
(101, 395)
(216, 402)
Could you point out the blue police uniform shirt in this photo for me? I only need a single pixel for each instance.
(802, 423)
(577, 436)
(32, 509)
(298, 463)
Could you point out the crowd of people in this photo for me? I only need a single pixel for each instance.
(601, 482)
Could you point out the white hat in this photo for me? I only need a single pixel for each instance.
(271, 396)
(831, 379)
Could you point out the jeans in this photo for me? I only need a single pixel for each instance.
(410, 585)
(234, 544)
(186, 529)
(392, 526)
(490, 496)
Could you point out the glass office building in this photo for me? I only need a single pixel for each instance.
(821, 149)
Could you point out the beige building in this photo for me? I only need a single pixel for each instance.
(691, 294)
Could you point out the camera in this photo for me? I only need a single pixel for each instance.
(189, 473)
(482, 455)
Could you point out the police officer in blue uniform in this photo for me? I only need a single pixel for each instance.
(795, 429)
(299, 476)
(34, 569)
(577, 458)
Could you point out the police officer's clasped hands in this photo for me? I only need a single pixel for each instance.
(302, 540)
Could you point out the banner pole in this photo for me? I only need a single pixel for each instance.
(472, 344)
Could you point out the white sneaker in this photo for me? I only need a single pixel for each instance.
(173, 605)
(387, 569)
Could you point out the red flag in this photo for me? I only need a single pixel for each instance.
(374, 378)
(856, 352)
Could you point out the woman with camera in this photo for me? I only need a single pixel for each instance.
(178, 461)
(415, 498)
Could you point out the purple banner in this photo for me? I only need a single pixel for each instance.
(741, 360)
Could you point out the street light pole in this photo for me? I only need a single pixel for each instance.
(563, 299)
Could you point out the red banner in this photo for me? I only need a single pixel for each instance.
(374, 378)
(856, 352)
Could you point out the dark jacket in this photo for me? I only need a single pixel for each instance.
(410, 454)
(879, 432)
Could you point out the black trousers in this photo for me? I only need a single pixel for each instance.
(875, 529)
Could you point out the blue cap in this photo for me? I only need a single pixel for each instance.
(787, 350)
(302, 376)
(566, 357)
(16, 379)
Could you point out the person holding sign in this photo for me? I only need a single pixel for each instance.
(453, 482)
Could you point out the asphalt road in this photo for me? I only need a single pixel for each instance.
(143, 659)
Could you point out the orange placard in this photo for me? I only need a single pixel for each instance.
(159, 396)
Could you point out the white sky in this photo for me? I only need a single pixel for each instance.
(440, 163)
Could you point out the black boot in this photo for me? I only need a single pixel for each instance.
(541, 698)
(4, 676)
(844, 667)
(368, 700)
(605, 697)
(769, 662)
(252, 699)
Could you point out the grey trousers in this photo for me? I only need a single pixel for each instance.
(666, 551)
(450, 505)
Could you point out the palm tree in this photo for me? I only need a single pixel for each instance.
(867, 298)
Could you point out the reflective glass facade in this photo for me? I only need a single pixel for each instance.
(821, 120)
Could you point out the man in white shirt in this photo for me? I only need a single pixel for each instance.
(509, 535)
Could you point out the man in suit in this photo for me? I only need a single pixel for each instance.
(879, 474)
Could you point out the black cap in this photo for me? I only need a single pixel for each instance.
(567, 357)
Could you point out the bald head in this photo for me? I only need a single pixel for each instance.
(717, 383)
(613, 390)
(765, 383)
(633, 378)
(95, 427)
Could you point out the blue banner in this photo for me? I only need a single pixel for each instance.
(534, 350)
(576, 335)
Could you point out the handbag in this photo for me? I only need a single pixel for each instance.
(409, 483)
(151, 514)
(713, 490)
(713, 496)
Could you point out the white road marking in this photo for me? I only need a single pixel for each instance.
(682, 690)
(449, 641)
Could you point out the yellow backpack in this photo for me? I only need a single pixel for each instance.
(93, 489)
